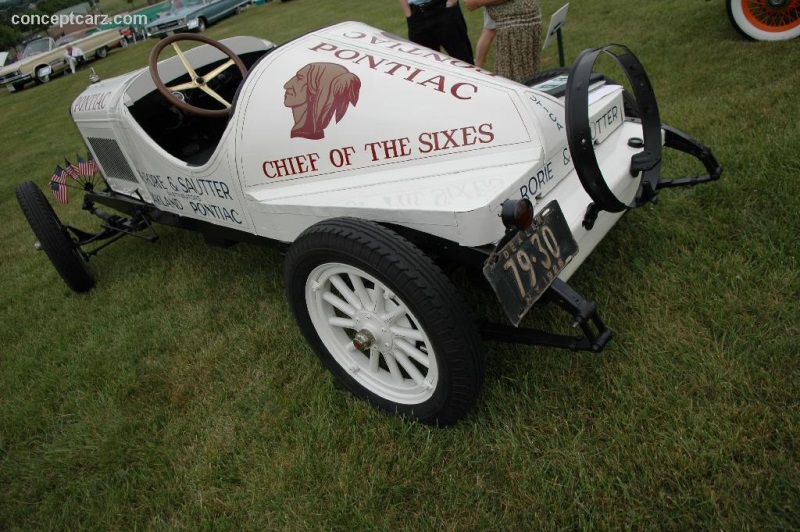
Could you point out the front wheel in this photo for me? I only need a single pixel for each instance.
(54, 238)
(765, 20)
(101, 52)
(42, 75)
(384, 320)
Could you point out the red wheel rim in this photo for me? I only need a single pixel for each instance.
(773, 16)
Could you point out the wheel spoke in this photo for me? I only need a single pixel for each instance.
(214, 95)
(413, 352)
(405, 332)
(361, 291)
(185, 61)
(339, 304)
(395, 314)
(374, 359)
(378, 303)
(394, 369)
(409, 366)
(348, 294)
(219, 70)
(344, 323)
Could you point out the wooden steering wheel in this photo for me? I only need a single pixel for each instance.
(197, 82)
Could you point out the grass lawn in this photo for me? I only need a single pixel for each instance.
(179, 393)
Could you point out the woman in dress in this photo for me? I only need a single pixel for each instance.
(519, 28)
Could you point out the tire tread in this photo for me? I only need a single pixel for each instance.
(53, 238)
(412, 272)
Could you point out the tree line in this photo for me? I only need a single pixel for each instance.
(13, 34)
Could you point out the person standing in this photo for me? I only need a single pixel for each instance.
(438, 24)
(519, 28)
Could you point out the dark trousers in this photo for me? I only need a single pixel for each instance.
(442, 27)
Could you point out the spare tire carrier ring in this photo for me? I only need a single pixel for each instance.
(579, 132)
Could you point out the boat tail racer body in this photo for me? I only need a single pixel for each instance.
(349, 132)
(444, 173)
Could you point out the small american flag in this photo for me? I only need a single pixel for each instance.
(71, 170)
(91, 166)
(58, 185)
(83, 166)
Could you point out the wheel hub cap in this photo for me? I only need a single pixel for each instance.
(363, 339)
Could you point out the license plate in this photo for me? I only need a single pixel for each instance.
(526, 265)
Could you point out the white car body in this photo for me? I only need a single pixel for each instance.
(389, 159)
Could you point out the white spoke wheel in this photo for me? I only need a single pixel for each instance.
(385, 320)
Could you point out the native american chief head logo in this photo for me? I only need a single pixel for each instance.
(317, 93)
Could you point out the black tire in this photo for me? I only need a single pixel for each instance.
(387, 265)
(201, 25)
(54, 238)
(628, 100)
(101, 52)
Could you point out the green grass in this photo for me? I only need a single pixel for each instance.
(180, 394)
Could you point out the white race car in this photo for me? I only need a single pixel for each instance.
(377, 165)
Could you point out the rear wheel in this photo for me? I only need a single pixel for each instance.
(54, 238)
(384, 320)
(765, 20)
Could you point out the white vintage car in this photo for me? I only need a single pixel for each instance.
(377, 165)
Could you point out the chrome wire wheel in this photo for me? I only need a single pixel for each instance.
(371, 333)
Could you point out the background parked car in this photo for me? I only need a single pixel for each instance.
(43, 57)
(193, 15)
(135, 32)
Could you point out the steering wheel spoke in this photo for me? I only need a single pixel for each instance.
(219, 70)
(185, 61)
(197, 81)
(183, 86)
(213, 94)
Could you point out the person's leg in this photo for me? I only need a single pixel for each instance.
(482, 48)
(422, 32)
(454, 34)
(485, 40)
